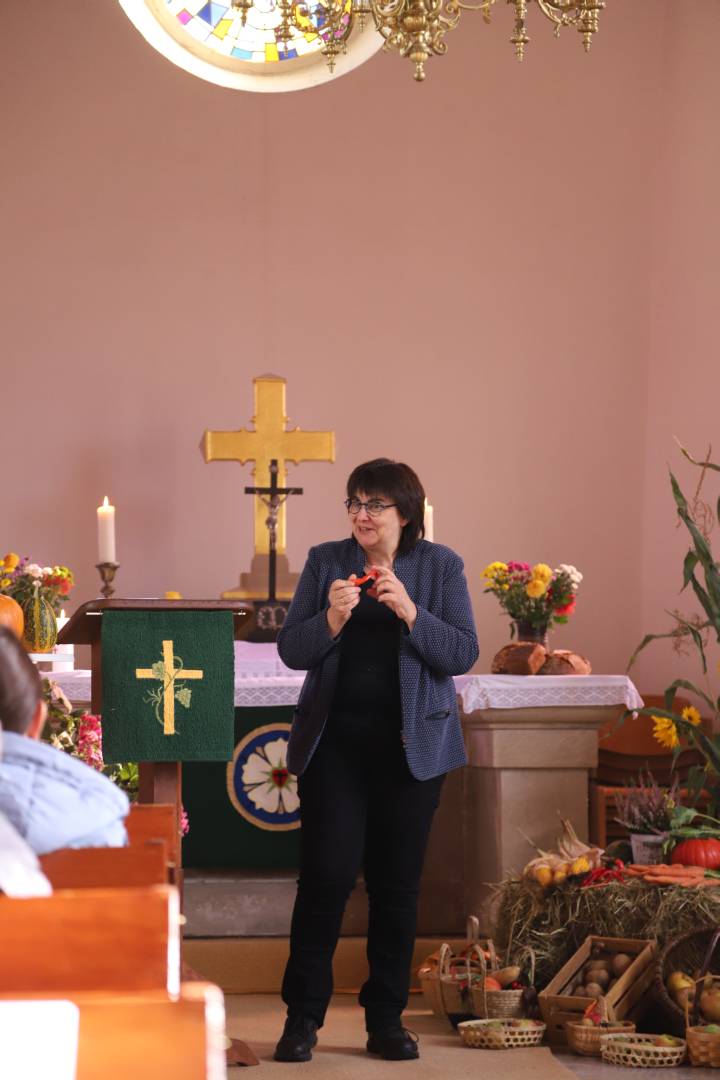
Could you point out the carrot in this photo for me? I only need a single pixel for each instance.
(672, 879)
(677, 870)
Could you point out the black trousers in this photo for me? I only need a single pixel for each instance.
(361, 808)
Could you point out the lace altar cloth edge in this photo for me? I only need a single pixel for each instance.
(476, 691)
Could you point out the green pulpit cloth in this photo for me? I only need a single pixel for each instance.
(168, 685)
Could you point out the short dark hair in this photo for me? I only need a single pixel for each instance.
(20, 686)
(398, 483)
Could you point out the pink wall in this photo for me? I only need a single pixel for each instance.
(681, 345)
(472, 275)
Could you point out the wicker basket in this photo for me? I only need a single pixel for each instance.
(687, 953)
(703, 1047)
(500, 1035)
(429, 971)
(641, 1052)
(496, 1004)
(428, 976)
(455, 978)
(585, 1039)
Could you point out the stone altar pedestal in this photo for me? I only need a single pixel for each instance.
(527, 768)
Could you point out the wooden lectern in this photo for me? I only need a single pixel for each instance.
(160, 781)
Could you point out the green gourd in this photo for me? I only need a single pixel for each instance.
(40, 624)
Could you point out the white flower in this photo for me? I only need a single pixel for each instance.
(572, 572)
(34, 570)
(47, 570)
(267, 782)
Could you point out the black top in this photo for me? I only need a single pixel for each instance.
(369, 673)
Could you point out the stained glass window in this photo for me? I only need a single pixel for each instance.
(209, 39)
(219, 27)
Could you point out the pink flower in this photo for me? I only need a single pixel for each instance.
(518, 567)
(89, 741)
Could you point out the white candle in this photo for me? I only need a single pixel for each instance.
(106, 532)
(429, 535)
(65, 653)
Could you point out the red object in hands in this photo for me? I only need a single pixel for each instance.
(697, 853)
(372, 575)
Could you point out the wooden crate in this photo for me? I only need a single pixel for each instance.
(557, 1008)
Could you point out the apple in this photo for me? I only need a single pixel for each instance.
(710, 1004)
(678, 980)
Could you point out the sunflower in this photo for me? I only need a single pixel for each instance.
(691, 714)
(665, 732)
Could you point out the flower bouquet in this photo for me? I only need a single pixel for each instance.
(534, 597)
(39, 591)
(22, 580)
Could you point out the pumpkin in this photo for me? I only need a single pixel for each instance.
(11, 615)
(703, 852)
(40, 625)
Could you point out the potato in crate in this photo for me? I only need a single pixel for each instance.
(618, 969)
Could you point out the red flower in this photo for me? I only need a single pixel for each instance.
(64, 587)
(566, 609)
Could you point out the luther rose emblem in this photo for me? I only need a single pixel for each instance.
(259, 784)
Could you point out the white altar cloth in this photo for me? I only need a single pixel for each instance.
(261, 680)
(545, 691)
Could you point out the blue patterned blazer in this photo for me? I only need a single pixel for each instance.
(443, 643)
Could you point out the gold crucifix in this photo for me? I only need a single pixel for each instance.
(269, 441)
(167, 672)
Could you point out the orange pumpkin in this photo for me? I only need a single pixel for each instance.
(491, 983)
(11, 615)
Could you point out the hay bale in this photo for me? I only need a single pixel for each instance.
(519, 658)
(554, 922)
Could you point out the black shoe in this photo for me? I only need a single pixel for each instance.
(394, 1043)
(297, 1040)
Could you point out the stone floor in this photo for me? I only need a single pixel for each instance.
(258, 1019)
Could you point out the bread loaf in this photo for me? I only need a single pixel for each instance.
(520, 658)
(565, 662)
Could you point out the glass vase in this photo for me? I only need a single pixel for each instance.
(526, 631)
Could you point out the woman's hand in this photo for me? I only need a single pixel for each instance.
(391, 592)
(344, 595)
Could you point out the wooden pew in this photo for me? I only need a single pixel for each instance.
(154, 821)
(144, 1038)
(137, 1035)
(91, 939)
(98, 868)
(115, 954)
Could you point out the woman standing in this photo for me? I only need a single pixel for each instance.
(380, 621)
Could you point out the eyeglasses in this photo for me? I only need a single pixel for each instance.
(374, 507)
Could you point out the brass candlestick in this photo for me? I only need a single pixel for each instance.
(107, 573)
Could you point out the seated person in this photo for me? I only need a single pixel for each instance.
(52, 799)
(20, 873)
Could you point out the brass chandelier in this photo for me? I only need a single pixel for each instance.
(416, 29)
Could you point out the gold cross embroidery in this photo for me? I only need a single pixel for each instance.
(168, 676)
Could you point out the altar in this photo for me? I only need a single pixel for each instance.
(531, 741)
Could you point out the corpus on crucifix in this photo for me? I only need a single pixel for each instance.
(270, 441)
(270, 613)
